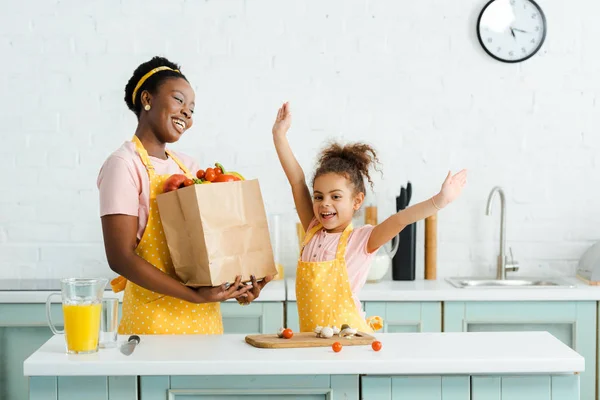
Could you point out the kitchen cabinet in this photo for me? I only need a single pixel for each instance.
(397, 316)
(537, 387)
(572, 322)
(258, 317)
(23, 329)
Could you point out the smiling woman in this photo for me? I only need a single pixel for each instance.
(155, 301)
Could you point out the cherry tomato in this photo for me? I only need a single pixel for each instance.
(376, 345)
(188, 182)
(218, 171)
(210, 174)
(200, 174)
(288, 333)
(337, 347)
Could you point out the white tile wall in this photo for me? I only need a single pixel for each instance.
(407, 76)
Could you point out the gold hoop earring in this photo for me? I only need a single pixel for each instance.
(147, 107)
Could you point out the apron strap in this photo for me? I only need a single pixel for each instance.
(341, 249)
(309, 235)
(148, 164)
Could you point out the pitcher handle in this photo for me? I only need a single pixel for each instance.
(48, 312)
(391, 253)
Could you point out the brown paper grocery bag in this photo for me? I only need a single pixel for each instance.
(217, 231)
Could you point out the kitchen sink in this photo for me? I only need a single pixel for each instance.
(473, 282)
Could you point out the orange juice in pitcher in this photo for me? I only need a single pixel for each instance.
(82, 305)
(82, 326)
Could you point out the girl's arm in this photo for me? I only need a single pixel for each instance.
(291, 167)
(384, 232)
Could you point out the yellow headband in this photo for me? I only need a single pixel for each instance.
(148, 75)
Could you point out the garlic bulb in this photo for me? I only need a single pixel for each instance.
(280, 332)
(318, 330)
(326, 332)
(336, 330)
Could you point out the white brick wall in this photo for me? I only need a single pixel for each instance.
(409, 77)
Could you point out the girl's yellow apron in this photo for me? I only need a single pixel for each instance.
(146, 312)
(323, 291)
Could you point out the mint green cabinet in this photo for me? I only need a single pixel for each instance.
(397, 316)
(572, 322)
(543, 387)
(23, 329)
(258, 317)
(407, 316)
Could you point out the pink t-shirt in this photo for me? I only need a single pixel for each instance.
(124, 184)
(323, 246)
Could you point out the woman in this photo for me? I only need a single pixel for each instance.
(155, 301)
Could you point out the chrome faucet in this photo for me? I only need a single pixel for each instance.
(503, 265)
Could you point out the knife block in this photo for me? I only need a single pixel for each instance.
(403, 263)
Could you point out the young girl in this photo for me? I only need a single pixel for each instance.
(335, 259)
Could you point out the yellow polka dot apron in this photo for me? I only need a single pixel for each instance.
(323, 291)
(147, 312)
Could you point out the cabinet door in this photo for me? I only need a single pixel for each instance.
(574, 323)
(258, 317)
(397, 316)
(280, 387)
(407, 316)
(415, 387)
(23, 329)
(563, 387)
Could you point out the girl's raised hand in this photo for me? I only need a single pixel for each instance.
(452, 187)
(283, 121)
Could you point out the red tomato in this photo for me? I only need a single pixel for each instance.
(288, 333)
(376, 345)
(210, 174)
(200, 174)
(218, 171)
(226, 178)
(188, 182)
(337, 347)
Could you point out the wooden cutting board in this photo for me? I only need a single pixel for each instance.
(306, 339)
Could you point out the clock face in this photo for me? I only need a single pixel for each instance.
(511, 30)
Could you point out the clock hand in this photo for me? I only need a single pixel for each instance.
(519, 30)
(513, 33)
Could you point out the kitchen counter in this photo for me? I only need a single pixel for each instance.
(37, 290)
(441, 290)
(402, 354)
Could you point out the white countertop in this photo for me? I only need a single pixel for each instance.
(440, 290)
(418, 290)
(402, 354)
(36, 291)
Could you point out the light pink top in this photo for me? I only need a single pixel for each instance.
(323, 246)
(124, 184)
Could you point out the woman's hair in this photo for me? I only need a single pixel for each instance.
(152, 83)
(353, 161)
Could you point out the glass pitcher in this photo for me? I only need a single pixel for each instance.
(82, 305)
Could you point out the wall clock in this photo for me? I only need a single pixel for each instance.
(511, 30)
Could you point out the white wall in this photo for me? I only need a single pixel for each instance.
(407, 76)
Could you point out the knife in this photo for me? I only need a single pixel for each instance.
(127, 348)
(402, 198)
(408, 193)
